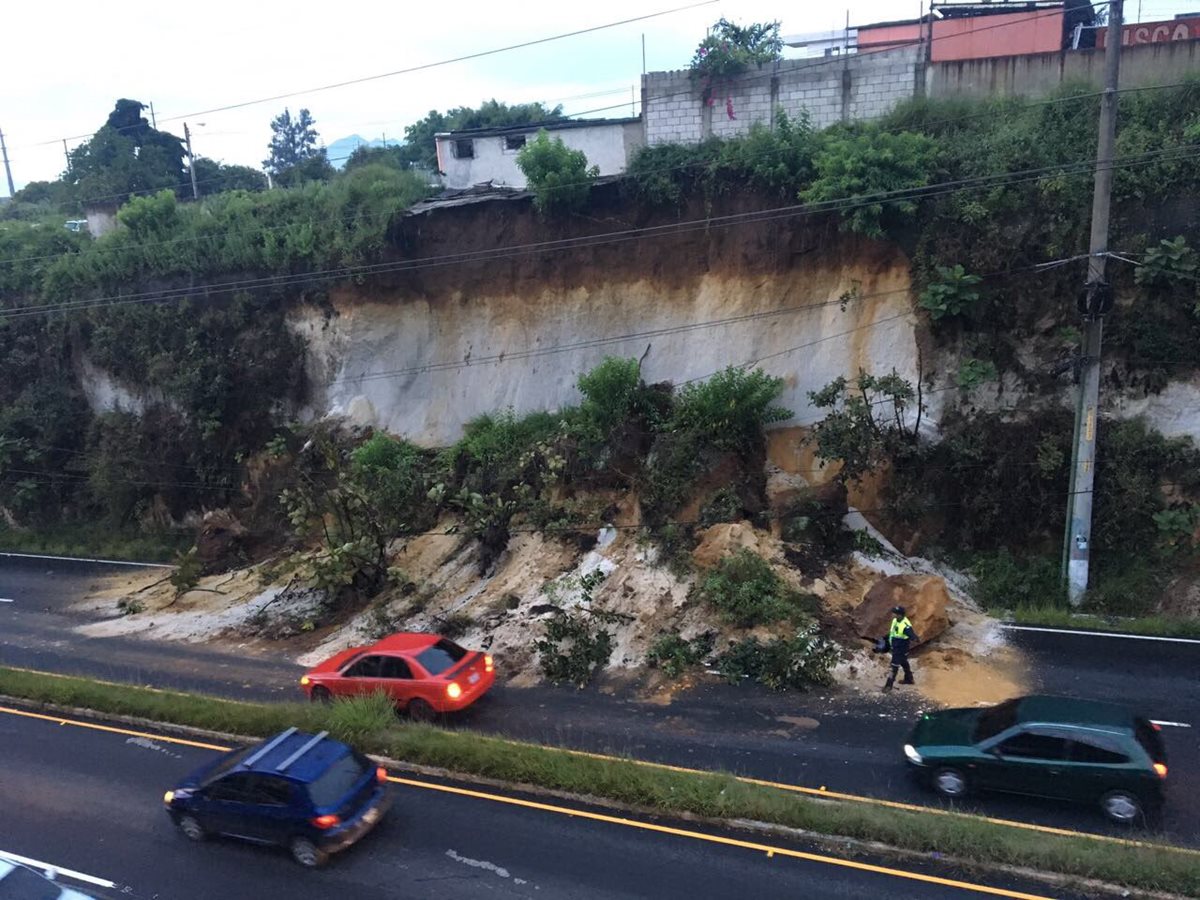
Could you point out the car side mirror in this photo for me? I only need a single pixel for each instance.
(995, 751)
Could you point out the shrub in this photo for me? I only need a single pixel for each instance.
(878, 170)
(187, 571)
(588, 647)
(798, 662)
(746, 591)
(559, 176)
(673, 654)
(729, 410)
(723, 506)
(952, 294)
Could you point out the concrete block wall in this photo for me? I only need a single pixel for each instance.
(831, 90)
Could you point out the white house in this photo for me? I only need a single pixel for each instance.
(481, 155)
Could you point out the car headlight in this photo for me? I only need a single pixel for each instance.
(913, 756)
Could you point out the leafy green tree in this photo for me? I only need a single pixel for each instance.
(729, 49)
(729, 410)
(366, 155)
(295, 157)
(420, 149)
(866, 422)
(126, 157)
(215, 178)
(870, 166)
(559, 176)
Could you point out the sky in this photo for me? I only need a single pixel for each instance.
(65, 64)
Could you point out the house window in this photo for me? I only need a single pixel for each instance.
(464, 148)
(514, 142)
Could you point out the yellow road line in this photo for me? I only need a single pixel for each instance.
(769, 849)
(783, 786)
(96, 726)
(876, 801)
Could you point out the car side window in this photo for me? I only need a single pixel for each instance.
(394, 667)
(1089, 752)
(367, 667)
(1030, 745)
(231, 789)
(270, 791)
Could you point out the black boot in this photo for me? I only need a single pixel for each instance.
(887, 685)
(908, 680)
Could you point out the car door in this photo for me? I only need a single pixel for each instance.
(276, 809)
(1030, 760)
(362, 677)
(225, 805)
(1098, 764)
(396, 677)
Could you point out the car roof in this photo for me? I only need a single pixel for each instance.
(308, 766)
(405, 641)
(1070, 711)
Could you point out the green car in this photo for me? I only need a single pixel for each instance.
(1055, 747)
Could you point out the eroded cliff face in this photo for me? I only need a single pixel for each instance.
(431, 349)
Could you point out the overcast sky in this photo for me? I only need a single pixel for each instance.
(65, 63)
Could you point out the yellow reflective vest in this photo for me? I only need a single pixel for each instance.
(899, 628)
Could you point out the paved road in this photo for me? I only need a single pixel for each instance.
(90, 801)
(837, 740)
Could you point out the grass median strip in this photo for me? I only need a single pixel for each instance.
(1057, 617)
(371, 725)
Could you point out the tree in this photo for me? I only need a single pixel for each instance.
(420, 148)
(126, 157)
(859, 431)
(295, 156)
(365, 155)
(215, 178)
(559, 176)
(1080, 12)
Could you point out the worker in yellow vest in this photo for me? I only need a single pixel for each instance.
(900, 637)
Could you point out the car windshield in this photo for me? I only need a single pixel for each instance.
(995, 720)
(228, 763)
(338, 780)
(441, 656)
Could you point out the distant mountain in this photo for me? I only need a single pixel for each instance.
(340, 149)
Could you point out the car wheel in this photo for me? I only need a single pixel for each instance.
(420, 711)
(307, 853)
(192, 828)
(320, 695)
(1122, 807)
(950, 783)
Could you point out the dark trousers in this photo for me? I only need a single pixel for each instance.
(900, 662)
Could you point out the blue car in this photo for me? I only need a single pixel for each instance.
(308, 793)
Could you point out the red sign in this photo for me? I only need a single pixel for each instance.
(1154, 32)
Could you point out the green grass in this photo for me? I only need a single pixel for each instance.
(371, 725)
(1058, 617)
(95, 542)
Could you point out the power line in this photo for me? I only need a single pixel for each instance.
(586, 241)
(410, 69)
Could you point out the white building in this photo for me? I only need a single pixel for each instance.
(482, 155)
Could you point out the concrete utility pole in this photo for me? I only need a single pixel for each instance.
(187, 135)
(12, 190)
(1095, 301)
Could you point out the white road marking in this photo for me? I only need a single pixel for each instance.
(1109, 634)
(58, 870)
(109, 562)
(478, 864)
(1170, 724)
(6, 600)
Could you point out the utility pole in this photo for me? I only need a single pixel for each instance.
(187, 135)
(153, 120)
(12, 190)
(1095, 301)
(67, 154)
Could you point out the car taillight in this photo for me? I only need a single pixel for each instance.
(324, 822)
(381, 774)
(453, 690)
(1160, 769)
(305, 681)
(1156, 726)
(488, 665)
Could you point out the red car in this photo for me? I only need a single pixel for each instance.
(424, 673)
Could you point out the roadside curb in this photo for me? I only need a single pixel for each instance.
(830, 842)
